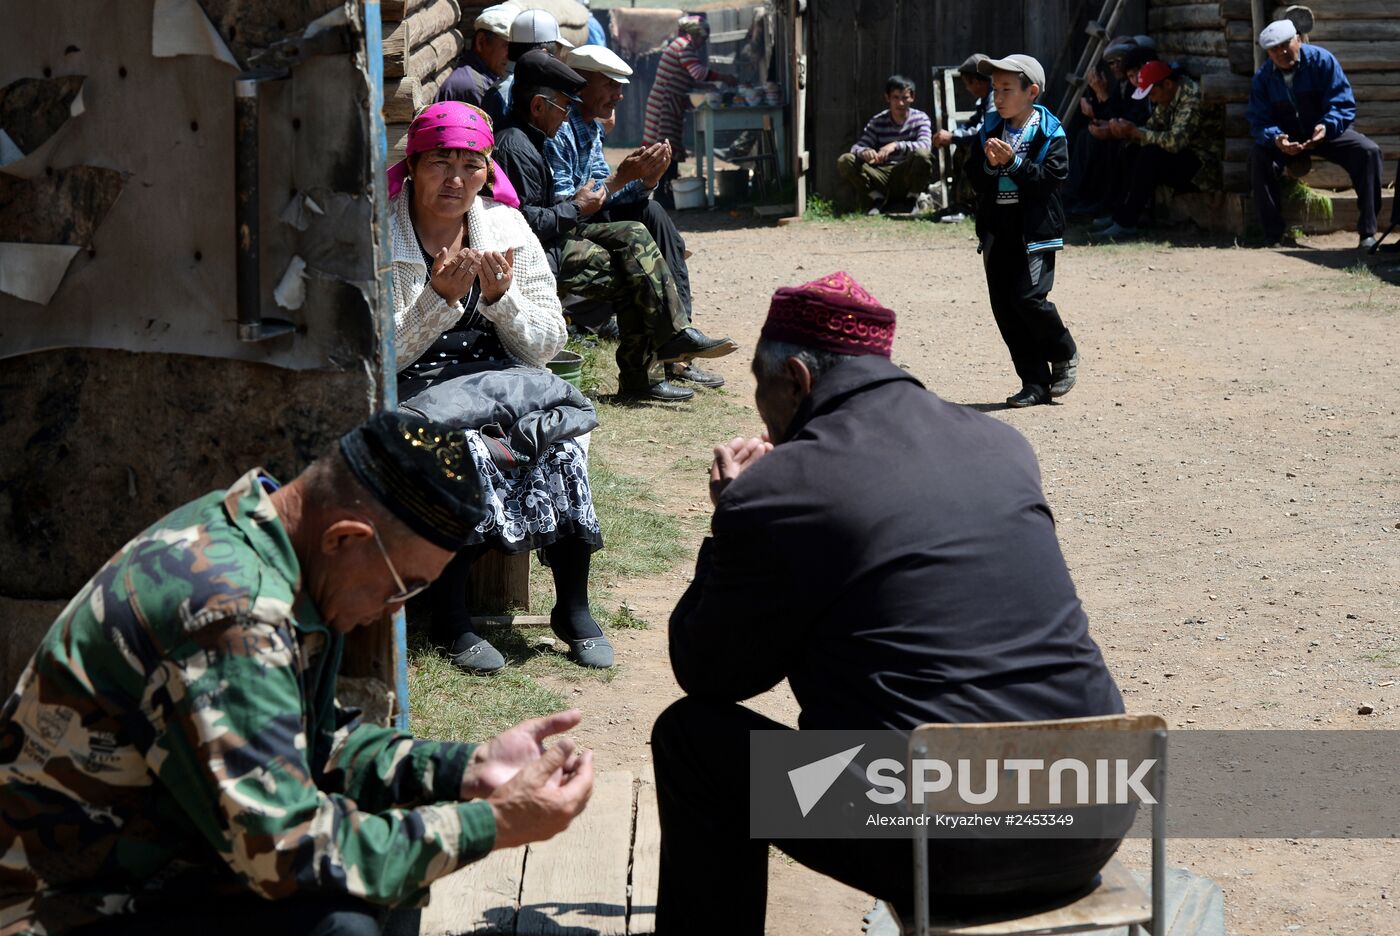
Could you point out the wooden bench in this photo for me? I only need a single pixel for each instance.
(599, 877)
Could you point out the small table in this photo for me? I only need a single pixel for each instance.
(709, 120)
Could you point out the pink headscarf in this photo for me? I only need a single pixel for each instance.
(453, 125)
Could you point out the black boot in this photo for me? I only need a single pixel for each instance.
(571, 621)
(452, 619)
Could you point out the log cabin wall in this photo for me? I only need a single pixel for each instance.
(423, 39)
(1215, 41)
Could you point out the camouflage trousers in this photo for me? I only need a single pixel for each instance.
(619, 262)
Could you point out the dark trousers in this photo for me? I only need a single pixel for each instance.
(890, 183)
(1154, 166)
(714, 878)
(1019, 286)
(1093, 174)
(657, 221)
(241, 915)
(1357, 154)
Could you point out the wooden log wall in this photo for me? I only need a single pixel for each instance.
(1364, 35)
(422, 41)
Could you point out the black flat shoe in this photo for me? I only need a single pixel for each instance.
(692, 343)
(690, 373)
(1030, 395)
(663, 391)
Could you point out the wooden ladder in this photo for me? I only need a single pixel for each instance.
(1099, 31)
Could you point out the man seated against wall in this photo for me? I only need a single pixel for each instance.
(1301, 104)
(174, 759)
(1093, 149)
(530, 30)
(485, 62)
(1180, 145)
(616, 261)
(576, 158)
(963, 138)
(892, 162)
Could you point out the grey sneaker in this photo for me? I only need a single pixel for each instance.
(1063, 374)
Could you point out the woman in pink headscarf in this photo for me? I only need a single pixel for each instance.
(476, 316)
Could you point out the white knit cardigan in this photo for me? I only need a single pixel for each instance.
(528, 318)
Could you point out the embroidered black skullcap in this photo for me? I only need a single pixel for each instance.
(421, 472)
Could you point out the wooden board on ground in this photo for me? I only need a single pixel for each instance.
(1195, 906)
(646, 860)
(481, 898)
(576, 883)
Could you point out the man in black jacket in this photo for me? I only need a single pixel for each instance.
(617, 260)
(893, 557)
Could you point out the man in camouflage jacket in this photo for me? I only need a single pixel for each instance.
(1180, 144)
(175, 741)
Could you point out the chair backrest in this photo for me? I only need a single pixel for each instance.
(1051, 764)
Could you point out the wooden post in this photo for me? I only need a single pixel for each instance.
(500, 583)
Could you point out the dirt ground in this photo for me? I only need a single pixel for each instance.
(1226, 481)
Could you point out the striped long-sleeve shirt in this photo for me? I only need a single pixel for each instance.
(915, 133)
(680, 68)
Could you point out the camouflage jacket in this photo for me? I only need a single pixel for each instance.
(1186, 124)
(176, 735)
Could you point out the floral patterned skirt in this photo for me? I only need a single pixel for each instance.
(534, 506)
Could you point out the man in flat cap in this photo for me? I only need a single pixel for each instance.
(577, 160)
(1300, 103)
(173, 759)
(617, 261)
(891, 555)
(484, 62)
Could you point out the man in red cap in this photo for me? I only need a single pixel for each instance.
(892, 556)
(1180, 145)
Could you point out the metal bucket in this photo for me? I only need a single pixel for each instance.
(568, 366)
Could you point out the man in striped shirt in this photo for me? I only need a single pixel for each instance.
(680, 69)
(892, 162)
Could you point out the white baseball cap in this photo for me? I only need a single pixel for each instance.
(1277, 33)
(497, 19)
(535, 26)
(601, 59)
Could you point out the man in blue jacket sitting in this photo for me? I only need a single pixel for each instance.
(1301, 103)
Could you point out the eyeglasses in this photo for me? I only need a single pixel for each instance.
(405, 592)
(552, 103)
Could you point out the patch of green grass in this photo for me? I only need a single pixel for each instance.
(1361, 277)
(819, 209)
(449, 705)
(1314, 205)
(1389, 658)
(690, 463)
(626, 619)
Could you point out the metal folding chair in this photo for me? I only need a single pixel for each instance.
(1117, 900)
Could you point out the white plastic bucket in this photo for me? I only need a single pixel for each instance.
(689, 192)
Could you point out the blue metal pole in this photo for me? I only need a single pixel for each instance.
(383, 305)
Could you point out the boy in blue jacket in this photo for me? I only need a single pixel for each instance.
(1300, 103)
(1022, 160)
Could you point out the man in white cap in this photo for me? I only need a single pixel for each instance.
(532, 29)
(577, 161)
(484, 63)
(1301, 103)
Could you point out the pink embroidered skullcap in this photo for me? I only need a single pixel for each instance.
(833, 313)
(453, 125)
